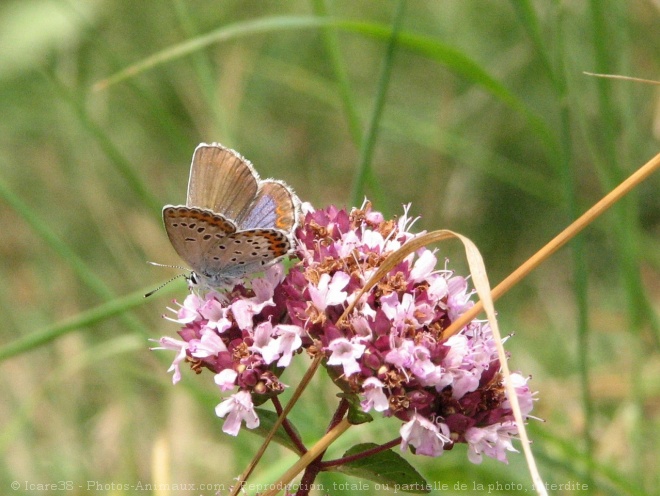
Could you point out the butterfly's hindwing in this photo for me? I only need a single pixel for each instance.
(244, 252)
(274, 207)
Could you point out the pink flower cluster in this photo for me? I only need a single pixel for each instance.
(390, 351)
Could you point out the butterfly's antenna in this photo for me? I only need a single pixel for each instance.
(168, 281)
(168, 266)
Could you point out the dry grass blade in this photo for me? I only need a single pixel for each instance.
(481, 284)
(624, 78)
(480, 278)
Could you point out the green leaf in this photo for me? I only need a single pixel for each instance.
(356, 415)
(386, 467)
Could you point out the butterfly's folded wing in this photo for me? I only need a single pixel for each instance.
(194, 231)
(233, 224)
(243, 252)
(273, 207)
(222, 181)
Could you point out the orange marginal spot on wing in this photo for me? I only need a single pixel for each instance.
(279, 243)
(284, 220)
(201, 215)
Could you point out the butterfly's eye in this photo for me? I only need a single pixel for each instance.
(193, 279)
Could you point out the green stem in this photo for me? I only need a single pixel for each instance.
(367, 149)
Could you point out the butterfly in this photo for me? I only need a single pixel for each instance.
(233, 223)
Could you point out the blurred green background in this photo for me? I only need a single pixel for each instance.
(479, 115)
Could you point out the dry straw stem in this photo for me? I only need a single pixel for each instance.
(624, 78)
(309, 457)
(294, 398)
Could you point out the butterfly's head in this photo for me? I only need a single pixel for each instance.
(195, 281)
(189, 278)
(200, 281)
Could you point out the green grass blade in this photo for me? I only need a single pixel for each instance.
(626, 212)
(467, 68)
(225, 33)
(529, 20)
(105, 50)
(121, 163)
(369, 141)
(80, 268)
(349, 106)
(205, 74)
(566, 172)
(331, 44)
(423, 45)
(41, 228)
(115, 307)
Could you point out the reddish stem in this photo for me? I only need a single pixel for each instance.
(307, 480)
(362, 454)
(288, 428)
(342, 408)
(317, 465)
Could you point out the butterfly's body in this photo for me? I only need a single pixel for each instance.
(233, 224)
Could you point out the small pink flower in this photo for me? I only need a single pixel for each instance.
(361, 326)
(402, 314)
(437, 378)
(288, 342)
(209, 344)
(189, 311)
(244, 309)
(438, 288)
(463, 379)
(329, 292)
(215, 314)
(493, 441)
(349, 242)
(424, 435)
(373, 240)
(374, 396)
(458, 301)
(401, 353)
(226, 379)
(525, 396)
(421, 366)
(264, 287)
(424, 266)
(180, 347)
(372, 216)
(346, 353)
(265, 343)
(239, 407)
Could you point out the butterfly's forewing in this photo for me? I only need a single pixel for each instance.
(222, 181)
(194, 232)
(273, 207)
